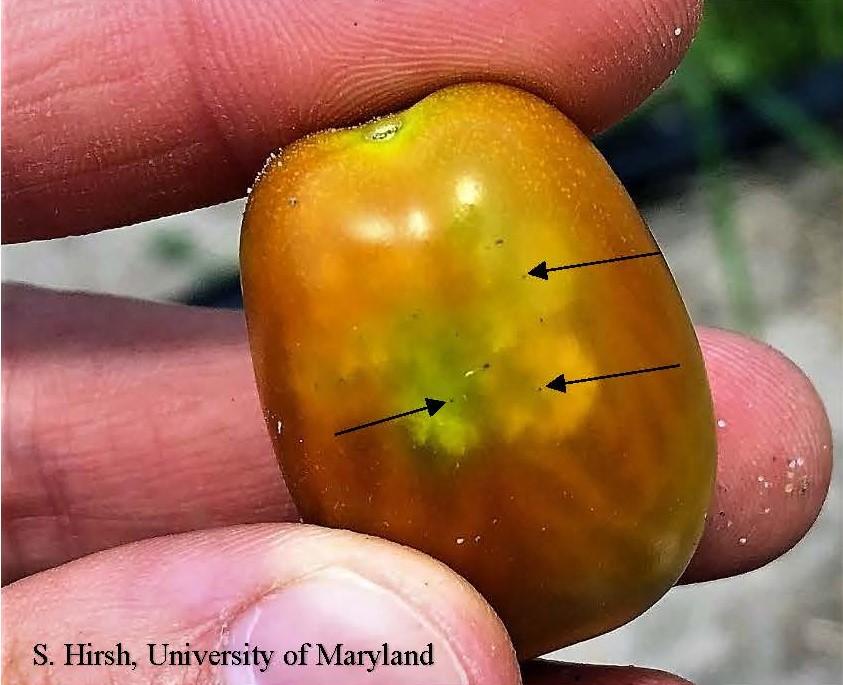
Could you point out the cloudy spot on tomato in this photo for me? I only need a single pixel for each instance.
(468, 190)
(373, 229)
(418, 225)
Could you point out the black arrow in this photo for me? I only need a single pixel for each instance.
(541, 270)
(430, 406)
(561, 385)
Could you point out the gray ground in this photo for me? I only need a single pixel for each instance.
(781, 625)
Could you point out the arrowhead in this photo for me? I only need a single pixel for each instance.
(557, 383)
(433, 406)
(539, 271)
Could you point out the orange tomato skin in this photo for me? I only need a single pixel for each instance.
(387, 263)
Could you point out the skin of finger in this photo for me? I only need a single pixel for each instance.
(541, 672)
(774, 439)
(96, 134)
(192, 587)
(126, 419)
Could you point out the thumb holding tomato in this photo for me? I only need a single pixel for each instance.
(256, 604)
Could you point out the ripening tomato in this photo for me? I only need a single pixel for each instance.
(388, 263)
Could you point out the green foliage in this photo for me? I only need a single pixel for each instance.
(172, 248)
(744, 43)
(741, 48)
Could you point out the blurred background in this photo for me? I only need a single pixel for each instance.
(737, 164)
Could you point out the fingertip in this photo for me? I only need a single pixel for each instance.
(774, 456)
(368, 591)
(272, 587)
(197, 122)
(635, 47)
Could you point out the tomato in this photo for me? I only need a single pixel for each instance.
(388, 263)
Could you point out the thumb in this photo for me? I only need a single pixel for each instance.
(276, 587)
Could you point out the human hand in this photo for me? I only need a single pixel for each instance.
(126, 420)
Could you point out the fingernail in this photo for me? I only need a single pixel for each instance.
(332, 627)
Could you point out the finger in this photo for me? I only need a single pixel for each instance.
(275, 587)
(774, 441)
(542, 672)
(126, 419)
(128, 114)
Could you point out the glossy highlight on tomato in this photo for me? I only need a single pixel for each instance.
(387, 263)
